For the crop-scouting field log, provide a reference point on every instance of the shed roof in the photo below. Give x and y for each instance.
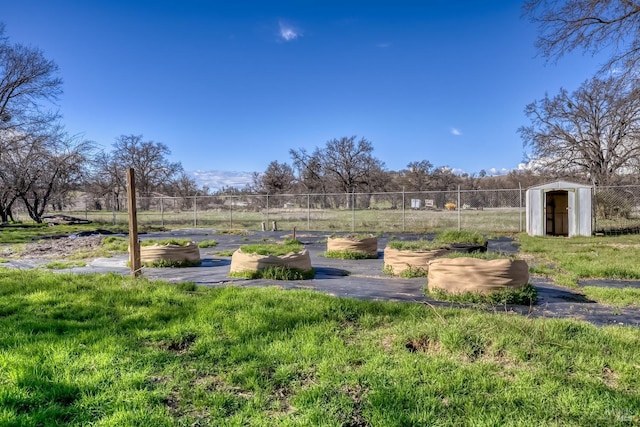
(558, 185)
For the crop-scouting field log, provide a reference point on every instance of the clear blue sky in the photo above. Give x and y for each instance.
(233, 85)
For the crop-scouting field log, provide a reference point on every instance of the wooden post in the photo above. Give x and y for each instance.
(134, 245)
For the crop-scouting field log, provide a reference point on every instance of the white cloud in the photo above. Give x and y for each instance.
(456, 132)
(383, 45)
(216, 179)
(288, 32)
(497, 171)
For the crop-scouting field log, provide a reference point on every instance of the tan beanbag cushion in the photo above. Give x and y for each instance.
(460, 275)
(401, 260)
(368, 245)
(241, 262)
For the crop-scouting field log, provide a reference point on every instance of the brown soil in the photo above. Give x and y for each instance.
(58, 248)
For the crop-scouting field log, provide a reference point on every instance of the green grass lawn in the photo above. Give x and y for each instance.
(29, 232)
(105, 350)
(567, 260)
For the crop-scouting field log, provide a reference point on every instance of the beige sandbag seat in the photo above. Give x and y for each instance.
(241, 262)
(461, 275)
(368, 245)
(396, 261)
(176, 253)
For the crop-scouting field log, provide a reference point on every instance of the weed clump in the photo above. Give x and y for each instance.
(526, 295)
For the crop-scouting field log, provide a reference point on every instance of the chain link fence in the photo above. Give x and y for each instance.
(615, 210)
(425, 211)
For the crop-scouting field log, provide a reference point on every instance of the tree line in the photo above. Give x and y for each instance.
(590, 134)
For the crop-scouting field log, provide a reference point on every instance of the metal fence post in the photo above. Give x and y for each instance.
(113, 208)
(308, 212)
(403, 212)
(267, 208)
(231, 211)
(520, 201)
(195, 210)
(594, 209)
(459, 212)
(353, 212)
(162, 211)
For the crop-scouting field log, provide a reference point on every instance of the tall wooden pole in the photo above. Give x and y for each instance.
(134, 246)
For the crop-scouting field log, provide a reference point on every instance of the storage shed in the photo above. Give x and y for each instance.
(559, 208)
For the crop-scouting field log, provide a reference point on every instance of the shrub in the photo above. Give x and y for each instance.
(277, 272)
(207, 244)
(349, 254)
(276, 249)
(479, 255)
(415, 245)
(525, 295)
(460, 236)
(407, 273)
(162, 242)
(165, 263)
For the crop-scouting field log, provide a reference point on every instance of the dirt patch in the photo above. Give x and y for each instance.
(58, 248)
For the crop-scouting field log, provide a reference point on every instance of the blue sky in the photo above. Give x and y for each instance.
(233, 85)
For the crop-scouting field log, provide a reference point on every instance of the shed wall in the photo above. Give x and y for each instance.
(580, 210)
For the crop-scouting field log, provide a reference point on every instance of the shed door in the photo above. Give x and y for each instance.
(557, 212)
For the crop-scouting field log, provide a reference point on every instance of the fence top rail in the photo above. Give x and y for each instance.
(372, 193)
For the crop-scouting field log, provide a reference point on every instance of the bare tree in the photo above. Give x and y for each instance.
(417, 175)
(349, 163)
(28, 84)
(28, 81)
(277, 179)
(443, 178)
(590, 25)
(42, 168)
(309, 169)
(594, 130)
(106, 180)
(150, 161)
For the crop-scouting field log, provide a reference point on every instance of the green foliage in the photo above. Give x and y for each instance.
(60, 265)
(226, 253)
(527, 295)
(276, 249)
(349, 254)
(407, 273)
(415, 245)
(276, 272)
(207, 244)
(163, 242)
(356, 237)
(568, 260)
(115, 244)
(187, 287)
(460, 236)
(480, 255)
(293, 242)
(83, 350)
(234, 231)
(25, 233)
(166, 263)
(619, 297)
